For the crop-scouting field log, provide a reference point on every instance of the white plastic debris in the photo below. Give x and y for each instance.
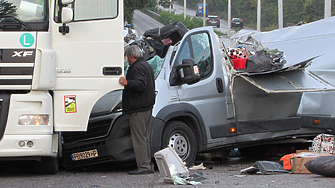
(199, 167)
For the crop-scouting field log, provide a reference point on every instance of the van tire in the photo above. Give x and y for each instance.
(180, 137)
(47, 165)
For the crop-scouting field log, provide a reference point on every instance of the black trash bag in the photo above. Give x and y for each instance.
(174, 31)
(323, 165)
(262, 61)
(157, 46)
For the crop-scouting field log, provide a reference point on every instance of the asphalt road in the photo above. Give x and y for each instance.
(143, 22)
(191, 12)
(223, 173)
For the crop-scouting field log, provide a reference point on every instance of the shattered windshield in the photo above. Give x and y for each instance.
(22, 11)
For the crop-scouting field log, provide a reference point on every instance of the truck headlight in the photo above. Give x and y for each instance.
(34, 119)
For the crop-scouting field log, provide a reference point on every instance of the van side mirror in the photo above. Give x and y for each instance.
(188, 71)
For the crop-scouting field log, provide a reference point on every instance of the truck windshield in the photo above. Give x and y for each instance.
(25, 14)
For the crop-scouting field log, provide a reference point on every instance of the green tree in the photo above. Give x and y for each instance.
(7, 8)
(313, 10)
(292, 12)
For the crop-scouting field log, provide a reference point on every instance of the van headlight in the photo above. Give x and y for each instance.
(34, 119)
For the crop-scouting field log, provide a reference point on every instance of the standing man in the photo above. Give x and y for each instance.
(138, 99)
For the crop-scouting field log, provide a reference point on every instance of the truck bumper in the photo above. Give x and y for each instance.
(42, 146)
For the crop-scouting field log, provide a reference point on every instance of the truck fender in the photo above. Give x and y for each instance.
(183, 112)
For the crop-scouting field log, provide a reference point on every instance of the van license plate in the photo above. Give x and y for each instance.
(84, 155)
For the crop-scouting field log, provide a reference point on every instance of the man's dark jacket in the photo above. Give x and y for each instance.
(139, 93)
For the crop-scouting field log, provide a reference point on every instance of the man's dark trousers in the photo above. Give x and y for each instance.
(139, 123)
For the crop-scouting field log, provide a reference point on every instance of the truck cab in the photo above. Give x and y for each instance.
(55, 66)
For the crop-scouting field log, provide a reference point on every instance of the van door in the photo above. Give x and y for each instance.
(208, 95)
(89, 59)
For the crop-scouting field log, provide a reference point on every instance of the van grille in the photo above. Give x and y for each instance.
(94, 130)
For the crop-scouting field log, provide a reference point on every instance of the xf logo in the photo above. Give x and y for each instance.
(22, 53)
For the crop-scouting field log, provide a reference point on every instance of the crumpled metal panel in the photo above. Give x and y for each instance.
(289, 82)
(253, 103)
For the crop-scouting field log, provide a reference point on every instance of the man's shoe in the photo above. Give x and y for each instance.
(140, 171)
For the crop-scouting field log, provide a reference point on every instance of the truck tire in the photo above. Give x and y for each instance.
(47, 165)
(181, 139)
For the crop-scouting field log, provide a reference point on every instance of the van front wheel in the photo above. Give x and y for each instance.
(180, 137)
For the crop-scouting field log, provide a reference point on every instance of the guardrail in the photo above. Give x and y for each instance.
(153, 13)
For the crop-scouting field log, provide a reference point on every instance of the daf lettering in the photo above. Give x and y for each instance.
(22, 53)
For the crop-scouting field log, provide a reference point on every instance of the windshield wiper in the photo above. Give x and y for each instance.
(9, 25)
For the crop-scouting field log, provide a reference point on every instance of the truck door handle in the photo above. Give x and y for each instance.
(219, 85)
(112, 71)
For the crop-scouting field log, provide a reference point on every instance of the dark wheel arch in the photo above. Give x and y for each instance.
(180, 137)
(179, 112)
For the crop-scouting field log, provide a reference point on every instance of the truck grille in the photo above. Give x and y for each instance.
(16, 69)
(0, 55)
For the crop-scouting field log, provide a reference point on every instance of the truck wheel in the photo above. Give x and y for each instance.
(181, 138)
(47, 165)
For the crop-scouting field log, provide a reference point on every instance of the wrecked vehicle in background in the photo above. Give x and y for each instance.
(203, 103)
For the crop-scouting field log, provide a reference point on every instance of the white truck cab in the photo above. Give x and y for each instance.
(57, 58)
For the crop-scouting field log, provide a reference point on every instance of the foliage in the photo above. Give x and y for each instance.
(162, 2)
(7, 8)
(190, 22)
(295, 11)
(166, 18)
(219, 33)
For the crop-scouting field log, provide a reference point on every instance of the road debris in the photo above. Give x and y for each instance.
(264, 167)
(198, 167)
(173, 170)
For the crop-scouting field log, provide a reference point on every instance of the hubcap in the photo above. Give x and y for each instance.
(179, 144)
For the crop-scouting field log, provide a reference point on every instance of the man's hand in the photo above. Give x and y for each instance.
(123, 80)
